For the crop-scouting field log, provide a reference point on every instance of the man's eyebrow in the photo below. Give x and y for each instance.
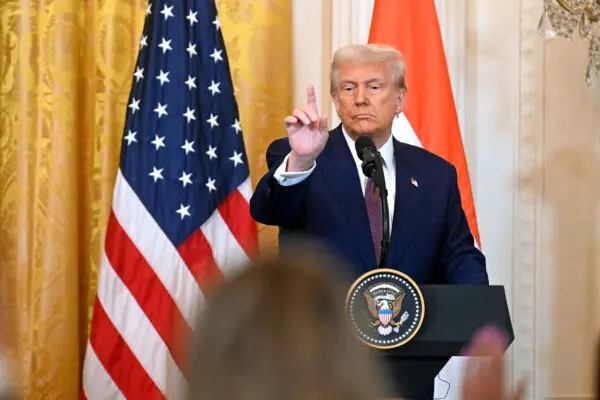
(372, 80)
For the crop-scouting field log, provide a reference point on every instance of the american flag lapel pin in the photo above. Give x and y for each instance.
(414, 182)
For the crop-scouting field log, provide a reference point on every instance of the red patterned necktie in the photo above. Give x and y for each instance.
(373, 200)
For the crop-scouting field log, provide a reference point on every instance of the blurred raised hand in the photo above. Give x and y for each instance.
(484, 373)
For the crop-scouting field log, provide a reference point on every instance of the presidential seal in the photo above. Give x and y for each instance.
(385, 308)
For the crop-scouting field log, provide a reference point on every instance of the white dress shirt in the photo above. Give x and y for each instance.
(287, 178)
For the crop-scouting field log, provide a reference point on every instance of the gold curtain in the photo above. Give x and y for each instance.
(65, 74)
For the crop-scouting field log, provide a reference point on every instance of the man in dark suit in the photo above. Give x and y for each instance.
(315, 185)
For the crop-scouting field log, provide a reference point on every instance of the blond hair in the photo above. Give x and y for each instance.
(362, 54)
(278, 330)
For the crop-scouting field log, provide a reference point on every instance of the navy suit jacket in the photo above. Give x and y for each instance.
(430, 239)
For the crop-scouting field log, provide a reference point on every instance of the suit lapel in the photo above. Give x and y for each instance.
(342, 178)
(406, 207)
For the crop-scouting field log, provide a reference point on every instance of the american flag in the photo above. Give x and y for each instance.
(180, 218)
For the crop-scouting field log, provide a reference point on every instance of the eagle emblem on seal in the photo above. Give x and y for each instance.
(384, 302)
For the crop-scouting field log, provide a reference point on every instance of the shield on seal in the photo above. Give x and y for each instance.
(385, 315)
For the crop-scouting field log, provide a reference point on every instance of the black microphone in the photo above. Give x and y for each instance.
(367, 152)
(372, 167)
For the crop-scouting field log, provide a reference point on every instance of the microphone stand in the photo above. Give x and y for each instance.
(379, 180)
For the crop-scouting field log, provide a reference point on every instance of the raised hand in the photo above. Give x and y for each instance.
(484, 373)
(307, 132)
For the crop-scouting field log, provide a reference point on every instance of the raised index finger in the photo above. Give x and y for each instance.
(312, 99)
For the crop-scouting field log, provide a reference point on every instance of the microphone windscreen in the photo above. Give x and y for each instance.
(363, 143)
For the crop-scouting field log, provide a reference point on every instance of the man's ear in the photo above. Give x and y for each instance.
(336, 103)
(400, 101)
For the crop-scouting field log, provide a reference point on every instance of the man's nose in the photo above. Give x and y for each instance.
(361, 98)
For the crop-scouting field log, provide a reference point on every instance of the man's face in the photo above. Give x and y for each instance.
(367, 100)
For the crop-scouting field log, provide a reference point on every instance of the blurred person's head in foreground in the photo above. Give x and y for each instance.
(277, 330)
(598, 369)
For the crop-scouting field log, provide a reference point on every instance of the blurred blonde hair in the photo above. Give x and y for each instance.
(278, 331)
(598, 369)
(363, 54)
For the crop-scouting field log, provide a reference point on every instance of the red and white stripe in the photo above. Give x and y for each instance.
(385, 318)
(149, 293)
